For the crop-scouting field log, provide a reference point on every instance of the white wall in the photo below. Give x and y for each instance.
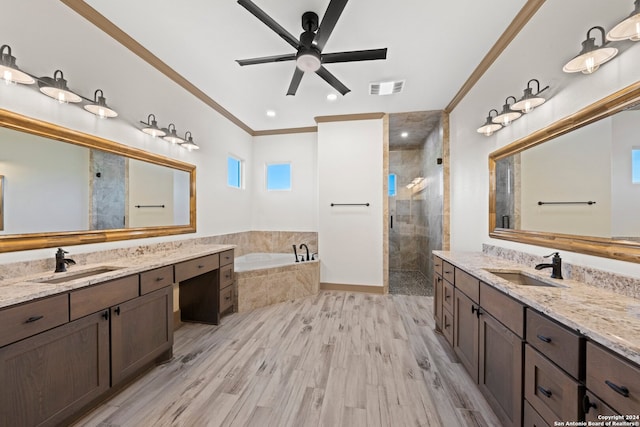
(350, 165)
(46, 184)
(90, 59)
(295, 210)
(573, 167)
(550, 39)
(625, 197)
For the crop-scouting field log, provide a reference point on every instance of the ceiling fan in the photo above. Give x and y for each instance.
(309, 56)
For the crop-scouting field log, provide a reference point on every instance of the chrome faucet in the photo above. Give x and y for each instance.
(61, 261)
(556, 265)
(307, 248)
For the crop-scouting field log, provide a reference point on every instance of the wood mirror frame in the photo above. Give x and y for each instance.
(616, 249)
(18, 242)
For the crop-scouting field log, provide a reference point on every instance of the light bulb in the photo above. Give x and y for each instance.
(528, 107)
(591, 65)
(506, 121)
(101, 113)
(488, 132)
(636, 36)
(61, 98)
(7, 76)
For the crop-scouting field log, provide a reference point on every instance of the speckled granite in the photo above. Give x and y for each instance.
(624, 285)
(26, 288)
(605, 317)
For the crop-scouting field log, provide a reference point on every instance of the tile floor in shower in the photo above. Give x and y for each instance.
(407, 282)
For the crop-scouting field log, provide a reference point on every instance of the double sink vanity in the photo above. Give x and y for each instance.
(68, 340)
(542, 351)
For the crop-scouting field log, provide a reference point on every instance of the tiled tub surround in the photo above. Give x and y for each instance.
(245, 242)
(260, 286)
(623, 285)
(19, 289)
(605, 317)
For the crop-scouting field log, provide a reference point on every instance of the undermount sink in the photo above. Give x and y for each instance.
(521, 279)
(79, 275)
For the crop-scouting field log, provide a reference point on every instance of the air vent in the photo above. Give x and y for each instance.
(386, 88)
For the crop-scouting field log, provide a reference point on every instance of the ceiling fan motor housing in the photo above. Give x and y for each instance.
(310, 21)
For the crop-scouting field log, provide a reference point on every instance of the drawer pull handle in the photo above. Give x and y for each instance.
(446, 296)
(587, 404)
(620, 389)
(105, 315)
(447, 272)
(117, 311)
(33, 319)
(477, 311)
(159, 279)
(543, 338)
(439, 279)
(544, 391)
(446, 325)
(200, 266)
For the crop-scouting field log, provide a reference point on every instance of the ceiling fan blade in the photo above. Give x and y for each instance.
(295, 81)
(333, 81)
(266, 59)
(329, 20)
(270, 22)
(356, 55)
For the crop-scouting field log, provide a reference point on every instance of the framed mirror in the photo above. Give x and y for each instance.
(63, 187)
(574, 185)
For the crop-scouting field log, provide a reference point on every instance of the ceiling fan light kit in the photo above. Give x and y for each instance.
(309, 56)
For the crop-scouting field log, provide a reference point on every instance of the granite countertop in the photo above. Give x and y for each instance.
(610, 319)
(22, 289)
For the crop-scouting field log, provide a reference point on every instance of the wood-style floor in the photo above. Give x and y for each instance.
(335, 359)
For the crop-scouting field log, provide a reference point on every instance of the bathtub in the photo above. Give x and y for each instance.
(269, 278)
(258, 261)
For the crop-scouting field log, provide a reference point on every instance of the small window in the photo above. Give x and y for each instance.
(279, 176)
(234, 172)
(635, 165)
(392, 184)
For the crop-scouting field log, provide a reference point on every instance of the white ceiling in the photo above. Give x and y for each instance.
(432, 44)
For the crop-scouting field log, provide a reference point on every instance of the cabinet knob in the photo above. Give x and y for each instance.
(159, 279)
(200, 266)
(543, 338)
(439, 279)
(587, 404)
(620, 389)
(544, 391)
(33, 319)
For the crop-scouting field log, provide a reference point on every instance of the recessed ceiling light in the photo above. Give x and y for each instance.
(404, 134)
(271, 113)
(332, 97)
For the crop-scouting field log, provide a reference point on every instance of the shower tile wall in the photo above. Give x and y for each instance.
(407, 210)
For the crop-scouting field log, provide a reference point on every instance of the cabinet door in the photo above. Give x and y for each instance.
(437, 301)
(48, 377)
(500, 370)
(141, 330)
(465, 333)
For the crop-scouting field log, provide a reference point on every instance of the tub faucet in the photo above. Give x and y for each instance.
(307, 248)
(556, 265)
(295, 253)
(61, 261)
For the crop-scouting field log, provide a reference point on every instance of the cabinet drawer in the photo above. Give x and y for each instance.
(447, 325)
(468, 284)
(447, 296)
(532, 418)
(611, 378)
(503, 308)
(226, 298)
(226, 276)
(437, 265)
(551, 392)
(156, 279)
(195, 267)
(226, 257)
(448, 272)
(556, 342)
(593, 407)
(31, 318)
(95, 298)
(437, 301)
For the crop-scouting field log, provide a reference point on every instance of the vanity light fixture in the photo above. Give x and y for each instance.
(508, 115)
(171, 135)
(9, 71)
(57, 88)
(629, 29)
(189, 144)
(591, 57)
(99, 106)
(489, 127)
(151, 127)
(529, 100)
